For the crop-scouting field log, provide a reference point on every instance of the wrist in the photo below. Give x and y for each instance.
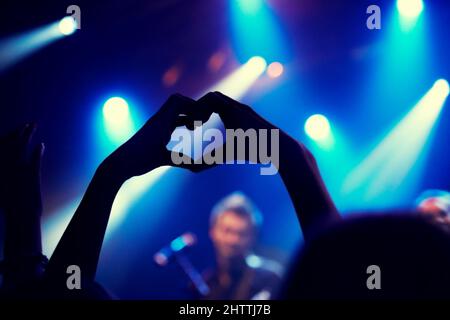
(292, 152)
(118, 168)
(22, 235)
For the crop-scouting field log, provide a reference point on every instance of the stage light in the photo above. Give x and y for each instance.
(317, 127)
(67, 26)
(275, 70)
(117, 120)
(256, 65)
(18, 47)
(410, 9)
(239, 82)
(442, 88)
(250, 6)
(390, 172)
(116, 109)
(255, 30)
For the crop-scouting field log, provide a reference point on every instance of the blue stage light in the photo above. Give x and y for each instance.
(317, 127)
(410, 8)
(67, 26)
(117, 120)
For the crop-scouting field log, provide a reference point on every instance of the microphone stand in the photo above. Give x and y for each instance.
(192, 273)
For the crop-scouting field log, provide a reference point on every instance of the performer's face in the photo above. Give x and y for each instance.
(232, 235)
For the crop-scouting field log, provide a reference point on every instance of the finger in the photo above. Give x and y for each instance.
(220, 104)
(232, 113)
(244, 109)
(236, 104)
(178, 104)
(176, 110)
(225, 98)
(188, 121)
(36, 158)
(208, 104)
(27, 135)
(184, 120)
(185, 109)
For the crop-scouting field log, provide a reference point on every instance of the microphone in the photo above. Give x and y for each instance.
(163, 256)
(175, 250)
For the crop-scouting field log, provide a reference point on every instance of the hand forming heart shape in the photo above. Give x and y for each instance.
(147, 150)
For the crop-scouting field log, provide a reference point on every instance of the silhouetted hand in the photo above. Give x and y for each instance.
(20, 172)
(235, 116)
(146, 150)
(20, 198)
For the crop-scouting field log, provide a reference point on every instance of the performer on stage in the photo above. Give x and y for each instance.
(239, 274)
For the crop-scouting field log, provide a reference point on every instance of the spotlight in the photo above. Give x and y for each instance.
(256, 65)
(67, 26)
(275, 70)
(317, 127)
(116, 109)
(241, 80)
(117, 120)
(250, 6)
(18, 47)
(442, 88)
(410, 8)
(392, 169)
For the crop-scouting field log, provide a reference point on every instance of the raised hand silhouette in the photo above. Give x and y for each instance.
(20, 199)
(146, 150)
(297, 165)
(82, 240)
(20, 171)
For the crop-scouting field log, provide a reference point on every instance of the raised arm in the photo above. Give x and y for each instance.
(20, 199)
(297, 166)
(82, 240)
(301, 176)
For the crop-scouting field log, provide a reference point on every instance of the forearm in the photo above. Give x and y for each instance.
(301, 176)
(22, 235)
(82, 240)
(22, 249)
